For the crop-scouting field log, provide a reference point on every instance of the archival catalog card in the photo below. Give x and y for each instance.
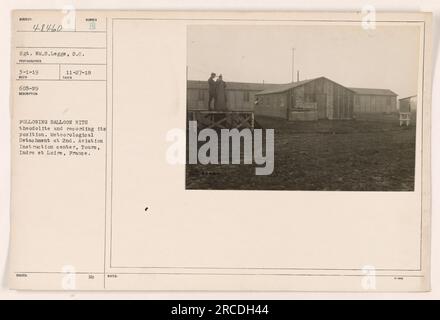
(220, 151)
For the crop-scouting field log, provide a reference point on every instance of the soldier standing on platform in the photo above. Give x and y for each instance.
(220, 94)
(211, 90)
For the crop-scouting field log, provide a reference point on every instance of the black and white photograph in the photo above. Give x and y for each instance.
(340, 100)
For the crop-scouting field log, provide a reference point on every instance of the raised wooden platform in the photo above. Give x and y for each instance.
(222, 119)
(405, 118)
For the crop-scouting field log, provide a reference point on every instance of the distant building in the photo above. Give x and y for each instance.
(374, 100)
(407, 107)
(313, 99)
(240, 96)
(408, 104)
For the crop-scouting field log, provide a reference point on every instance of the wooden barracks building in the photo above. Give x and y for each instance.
(313, 99)
(408, 104)
(374, 100)
(240, 96)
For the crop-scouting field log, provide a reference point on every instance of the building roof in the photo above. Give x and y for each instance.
(197, 84)
(410, 97)
(374, 92)
(284, 87)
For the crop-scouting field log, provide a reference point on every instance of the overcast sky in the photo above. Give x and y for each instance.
(384, 58)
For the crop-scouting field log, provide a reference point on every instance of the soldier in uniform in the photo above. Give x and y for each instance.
(220, 95)
(211, 90)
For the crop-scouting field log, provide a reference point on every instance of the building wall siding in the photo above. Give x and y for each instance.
(375, 104)
(333, 100)
(273, 105)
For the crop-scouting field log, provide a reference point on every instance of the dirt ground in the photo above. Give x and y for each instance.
(350, 155)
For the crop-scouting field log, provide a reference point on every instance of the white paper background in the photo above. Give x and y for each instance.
(385, 5)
